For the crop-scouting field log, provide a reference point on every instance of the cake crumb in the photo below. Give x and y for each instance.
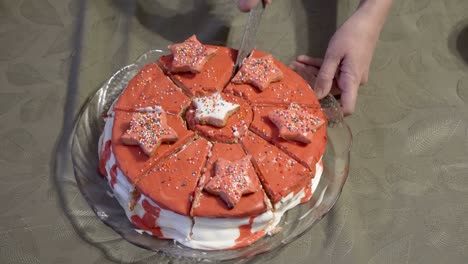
(275, 230)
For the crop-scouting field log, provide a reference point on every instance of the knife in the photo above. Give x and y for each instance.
(250, 33)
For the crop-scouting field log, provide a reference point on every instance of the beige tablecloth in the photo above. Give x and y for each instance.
(406, 197)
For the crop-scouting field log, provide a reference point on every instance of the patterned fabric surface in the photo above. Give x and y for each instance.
(406, 199)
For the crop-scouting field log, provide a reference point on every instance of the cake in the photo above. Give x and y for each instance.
(210, 157)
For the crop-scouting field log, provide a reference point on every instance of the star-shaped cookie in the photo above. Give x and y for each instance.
(232, 180)
(259, 72)
(148, 130)
(190, 55)
(295, 123)
(213, 110)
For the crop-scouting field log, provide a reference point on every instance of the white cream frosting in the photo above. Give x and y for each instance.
(213, 109)
(149, 109)
(291, 200)
(198, 232)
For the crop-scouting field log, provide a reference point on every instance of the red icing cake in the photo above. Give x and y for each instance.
(211, 158)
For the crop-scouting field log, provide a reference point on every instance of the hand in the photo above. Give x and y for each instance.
(347, 59)
(247, 5)
(308, 68)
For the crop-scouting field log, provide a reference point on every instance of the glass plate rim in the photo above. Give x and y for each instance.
(99, 90)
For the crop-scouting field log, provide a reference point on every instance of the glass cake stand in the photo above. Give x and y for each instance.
(76, 171)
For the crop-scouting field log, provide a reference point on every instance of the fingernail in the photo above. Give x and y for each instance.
(316, 91)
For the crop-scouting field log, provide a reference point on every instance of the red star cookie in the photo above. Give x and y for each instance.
(232, 180)
(190, 55)
(295, 123)
(259, 72)
(149, 130)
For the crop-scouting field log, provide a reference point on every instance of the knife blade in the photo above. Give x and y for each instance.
(250, 33)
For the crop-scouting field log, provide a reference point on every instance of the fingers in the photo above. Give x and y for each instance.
(247, 5)
(317, 62)
(326, 74)
(349, 86)
(302, 68)
(322, 74)
(365, 78)
(335, 90)
(308, 73)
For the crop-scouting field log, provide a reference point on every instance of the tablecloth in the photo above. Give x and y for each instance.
(405, 200)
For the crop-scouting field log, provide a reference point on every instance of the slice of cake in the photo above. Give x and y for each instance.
(131, 159)
(172, 182)
(279, 173)
(207, 204)
(282, 89)
(214, 67)
(151, 87)
(306, 154)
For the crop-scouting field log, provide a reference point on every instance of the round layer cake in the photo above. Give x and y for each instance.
(209, 159)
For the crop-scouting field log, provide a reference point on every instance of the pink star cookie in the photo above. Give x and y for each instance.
(232, 180)
(190, 55)
(259, 72)
(295, 123)
(148, 130)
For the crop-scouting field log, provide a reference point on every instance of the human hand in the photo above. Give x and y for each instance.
(308, 68)
(347, 60)
(247, 5)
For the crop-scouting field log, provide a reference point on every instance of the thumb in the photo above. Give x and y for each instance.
(349, 85)
(326, 74)
(246, 5)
